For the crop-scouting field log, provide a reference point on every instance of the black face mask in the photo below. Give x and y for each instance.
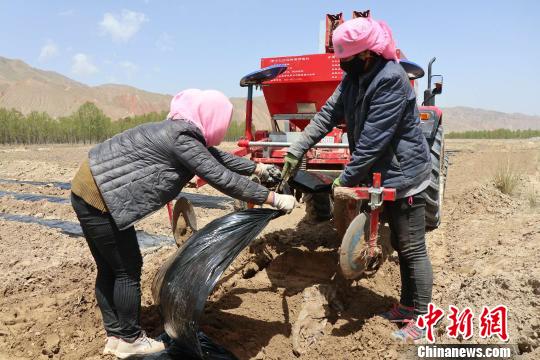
(353, 67)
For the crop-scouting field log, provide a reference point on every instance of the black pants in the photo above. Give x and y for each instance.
(119, 263)
(406, 218)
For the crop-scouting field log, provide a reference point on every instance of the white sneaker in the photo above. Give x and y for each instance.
(143, 345)
(110, 345)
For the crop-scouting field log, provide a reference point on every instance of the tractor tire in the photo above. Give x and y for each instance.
(435, 190)
(319, 206)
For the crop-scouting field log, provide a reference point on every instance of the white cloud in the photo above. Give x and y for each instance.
(48, 51)
(165, 42)
(83, 66)
(124, 26)
(129, 68)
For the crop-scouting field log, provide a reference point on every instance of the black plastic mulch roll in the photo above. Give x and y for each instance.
(194, 272)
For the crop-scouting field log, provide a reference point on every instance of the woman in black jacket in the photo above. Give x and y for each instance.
(134, 174)
(378, 105)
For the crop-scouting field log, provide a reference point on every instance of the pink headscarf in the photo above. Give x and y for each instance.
(360, 34)
(209, 110)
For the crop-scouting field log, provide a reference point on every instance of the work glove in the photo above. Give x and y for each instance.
(284, 202)
(266, 172)
(336, 183)
(289, 166)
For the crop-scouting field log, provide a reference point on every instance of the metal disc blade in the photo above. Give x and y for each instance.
(354, 241)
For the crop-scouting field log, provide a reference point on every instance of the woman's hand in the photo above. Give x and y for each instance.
(289, 166)
(336, 183)
(266, 172)
(281, 202)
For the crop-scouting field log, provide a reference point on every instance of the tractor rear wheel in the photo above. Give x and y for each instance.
(435, 190)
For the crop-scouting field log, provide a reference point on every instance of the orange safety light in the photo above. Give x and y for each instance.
(424, 116)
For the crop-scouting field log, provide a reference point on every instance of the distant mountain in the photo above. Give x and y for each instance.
(462, 118)
(26, 89)
(261, 116)
(455, 119)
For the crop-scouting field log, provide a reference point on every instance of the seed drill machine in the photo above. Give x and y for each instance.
(295, 88)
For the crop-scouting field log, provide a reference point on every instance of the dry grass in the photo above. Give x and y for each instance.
(532, 197)
(506, 179)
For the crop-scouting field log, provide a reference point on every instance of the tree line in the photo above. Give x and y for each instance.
(495, 134)
(88, 124)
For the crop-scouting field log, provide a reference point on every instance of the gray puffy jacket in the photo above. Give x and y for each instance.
(383, 128)
(141, 169)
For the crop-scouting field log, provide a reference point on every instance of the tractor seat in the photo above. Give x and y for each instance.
(262, 75)
(413, 70)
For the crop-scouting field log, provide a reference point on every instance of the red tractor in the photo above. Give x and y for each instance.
(295, 88)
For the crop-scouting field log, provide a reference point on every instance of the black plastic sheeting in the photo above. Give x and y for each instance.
(74, 229)
(310, 182)
(35, 197)
(198, 200)
(56, 184)
(192, 275)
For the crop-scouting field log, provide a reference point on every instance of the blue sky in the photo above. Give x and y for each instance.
(488, 51)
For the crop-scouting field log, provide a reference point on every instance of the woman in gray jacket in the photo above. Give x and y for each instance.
(134, 174)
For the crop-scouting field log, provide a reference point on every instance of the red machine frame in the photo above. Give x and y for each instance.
(296, 96)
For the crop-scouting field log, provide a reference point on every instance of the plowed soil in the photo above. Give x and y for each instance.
(484, 254)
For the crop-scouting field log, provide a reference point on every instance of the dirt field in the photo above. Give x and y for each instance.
(485, 253)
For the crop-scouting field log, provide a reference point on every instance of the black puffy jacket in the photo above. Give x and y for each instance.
(383, 128)
(141, 169)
